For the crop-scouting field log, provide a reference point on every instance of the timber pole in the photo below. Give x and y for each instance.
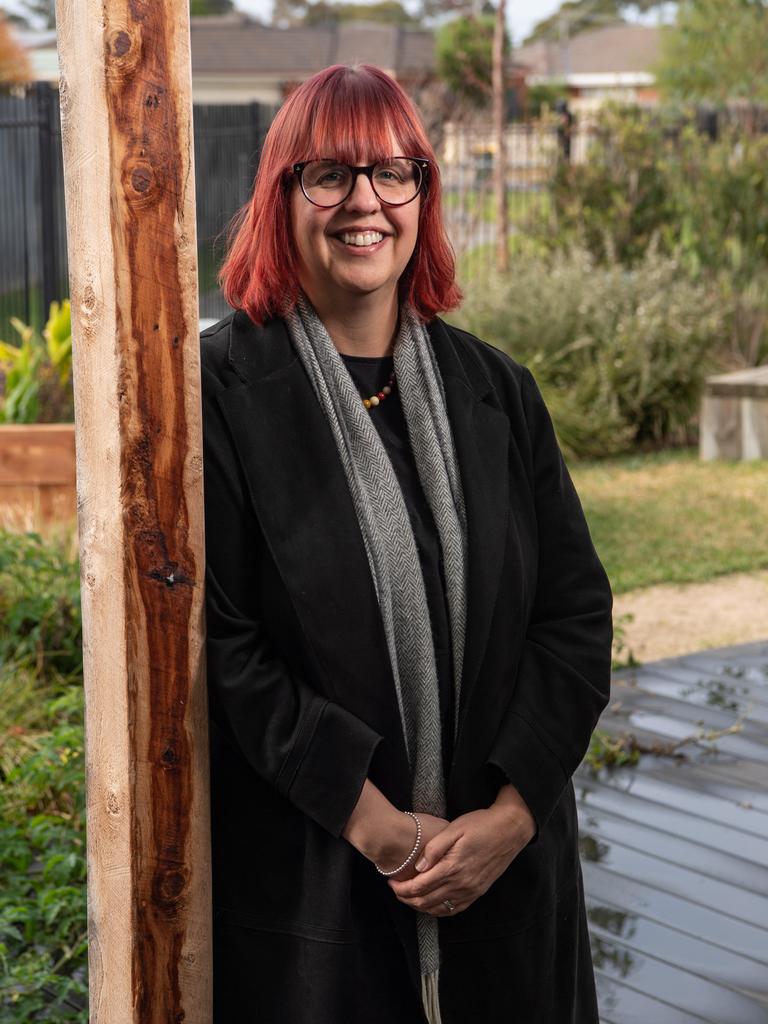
(498, 82)
(126, 111)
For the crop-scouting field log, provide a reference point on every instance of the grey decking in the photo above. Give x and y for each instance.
(675, 851)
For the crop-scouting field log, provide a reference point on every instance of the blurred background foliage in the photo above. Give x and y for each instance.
(645, 271)
(43, 939)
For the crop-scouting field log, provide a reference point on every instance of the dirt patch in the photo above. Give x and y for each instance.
(673, 619)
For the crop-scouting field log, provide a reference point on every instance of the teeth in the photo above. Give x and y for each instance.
(368, 238)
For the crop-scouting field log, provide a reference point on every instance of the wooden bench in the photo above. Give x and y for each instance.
(734, 415)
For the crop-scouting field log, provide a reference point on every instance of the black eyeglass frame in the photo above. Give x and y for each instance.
(367, 169)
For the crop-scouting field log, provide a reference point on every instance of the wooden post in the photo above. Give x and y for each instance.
(128, 159)
(499, 82)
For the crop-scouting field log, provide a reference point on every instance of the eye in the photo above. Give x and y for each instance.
(325, 174)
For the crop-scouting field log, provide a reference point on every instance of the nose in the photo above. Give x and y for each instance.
(362, 197)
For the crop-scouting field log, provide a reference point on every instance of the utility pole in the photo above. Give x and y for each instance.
(500, 141)
(126, 107)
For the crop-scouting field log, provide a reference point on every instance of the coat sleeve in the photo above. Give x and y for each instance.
(312, 750)
(563, 679)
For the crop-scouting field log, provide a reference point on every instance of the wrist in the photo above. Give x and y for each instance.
(394, 841)
(510, 808)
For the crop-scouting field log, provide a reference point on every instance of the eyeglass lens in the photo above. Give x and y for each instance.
(328, 183)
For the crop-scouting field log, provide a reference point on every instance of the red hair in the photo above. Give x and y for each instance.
(341, 111)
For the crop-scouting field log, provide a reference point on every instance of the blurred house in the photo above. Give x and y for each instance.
(612, 62)
(236, 59)
(40, 47)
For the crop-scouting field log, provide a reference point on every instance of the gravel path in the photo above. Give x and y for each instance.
(672, 619)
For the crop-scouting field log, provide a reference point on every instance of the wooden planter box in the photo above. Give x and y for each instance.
(37, 476)
(734, 415)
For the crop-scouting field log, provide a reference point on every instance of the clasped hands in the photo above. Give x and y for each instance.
(464, 857)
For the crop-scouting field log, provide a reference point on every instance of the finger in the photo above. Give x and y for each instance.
(453, 889)
(442, 911)
(437, 847)
(432, 876)
(422, 884)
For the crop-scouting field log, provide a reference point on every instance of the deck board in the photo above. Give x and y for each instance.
(674, 850)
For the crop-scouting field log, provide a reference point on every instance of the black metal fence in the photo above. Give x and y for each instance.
(33, 250)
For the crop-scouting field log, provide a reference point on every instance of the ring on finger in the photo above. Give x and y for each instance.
(449, 905)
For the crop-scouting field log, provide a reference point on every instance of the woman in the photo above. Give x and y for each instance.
(409, 630)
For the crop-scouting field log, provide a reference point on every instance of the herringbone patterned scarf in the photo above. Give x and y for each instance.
(392, 552)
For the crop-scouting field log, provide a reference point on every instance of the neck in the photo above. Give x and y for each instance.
(367, 327)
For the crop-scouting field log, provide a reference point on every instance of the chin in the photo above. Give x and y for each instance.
(363, 287)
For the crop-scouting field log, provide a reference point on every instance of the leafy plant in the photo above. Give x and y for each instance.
(37, 371)
(43, 919)
(606, 750)
(39, 604)
(655, 181)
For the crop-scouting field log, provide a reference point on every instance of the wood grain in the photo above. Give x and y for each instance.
(129, 180)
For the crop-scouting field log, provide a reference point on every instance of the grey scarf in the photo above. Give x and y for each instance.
(392, 552)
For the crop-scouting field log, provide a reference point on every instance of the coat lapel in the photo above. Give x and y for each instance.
(299, 491)
(481, 436)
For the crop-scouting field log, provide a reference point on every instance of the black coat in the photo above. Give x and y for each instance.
(303, 705)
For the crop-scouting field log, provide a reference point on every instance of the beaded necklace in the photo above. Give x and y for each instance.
(379, 396)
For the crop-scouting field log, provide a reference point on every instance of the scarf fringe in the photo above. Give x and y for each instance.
(429, 997)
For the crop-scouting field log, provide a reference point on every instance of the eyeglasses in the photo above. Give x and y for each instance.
(396, 181)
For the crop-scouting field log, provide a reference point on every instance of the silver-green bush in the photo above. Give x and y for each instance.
(620, 353)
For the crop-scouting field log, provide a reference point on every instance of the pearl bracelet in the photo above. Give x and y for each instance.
(413, 852)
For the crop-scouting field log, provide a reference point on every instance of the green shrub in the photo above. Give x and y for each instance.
(617, 201)
(36, 373)
(39, 603)
(620, 354)
(43, 920)
(650, 179)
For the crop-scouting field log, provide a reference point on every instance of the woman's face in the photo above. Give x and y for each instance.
(335, 270)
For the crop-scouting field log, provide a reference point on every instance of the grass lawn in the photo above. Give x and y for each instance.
(668, 518)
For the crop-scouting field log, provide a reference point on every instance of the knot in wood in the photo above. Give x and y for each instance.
(121, 44)
(141, 178)
(171, 885)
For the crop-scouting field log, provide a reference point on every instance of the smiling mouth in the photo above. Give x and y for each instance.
(360, 240)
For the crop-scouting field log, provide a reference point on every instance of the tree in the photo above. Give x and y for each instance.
(716, 51)
(464, 49)
(499, 132)
(575, 16)
(14, 63)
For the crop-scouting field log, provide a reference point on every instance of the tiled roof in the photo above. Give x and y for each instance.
(242, 46)
(613, 49)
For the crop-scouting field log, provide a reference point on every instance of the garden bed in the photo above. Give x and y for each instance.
(37, 475)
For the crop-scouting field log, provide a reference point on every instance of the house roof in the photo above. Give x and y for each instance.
(613, 49)
(241, 45)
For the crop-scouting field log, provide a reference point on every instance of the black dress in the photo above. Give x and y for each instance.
(370, 373)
